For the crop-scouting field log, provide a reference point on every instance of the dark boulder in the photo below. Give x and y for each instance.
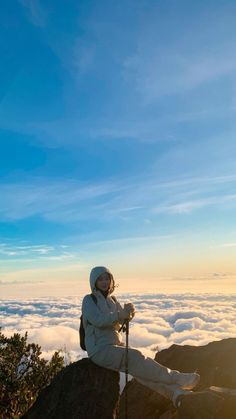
(216, 364)
(82, 390)
(142, 402)
(85, 391)
(207, 405)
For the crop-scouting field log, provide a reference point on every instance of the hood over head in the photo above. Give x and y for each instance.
(95, 273)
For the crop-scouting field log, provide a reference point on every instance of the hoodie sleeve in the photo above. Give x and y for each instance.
(95, 316)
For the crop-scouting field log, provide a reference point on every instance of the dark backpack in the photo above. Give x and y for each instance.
(81, 326)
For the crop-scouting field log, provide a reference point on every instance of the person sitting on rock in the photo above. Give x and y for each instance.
(102, 322)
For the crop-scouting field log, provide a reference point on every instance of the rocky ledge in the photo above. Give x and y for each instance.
(84, 391)
(215, 397)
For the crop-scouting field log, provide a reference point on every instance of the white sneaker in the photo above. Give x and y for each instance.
(177, 393)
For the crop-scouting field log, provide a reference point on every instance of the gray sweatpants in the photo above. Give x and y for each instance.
(145, 370)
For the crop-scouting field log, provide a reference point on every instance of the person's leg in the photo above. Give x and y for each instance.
(110, 357)
(113, 357)
(150, 370)
(145, 370)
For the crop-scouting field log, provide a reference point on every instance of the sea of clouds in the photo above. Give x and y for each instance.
(160, 321)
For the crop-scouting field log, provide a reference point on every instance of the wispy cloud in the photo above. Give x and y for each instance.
(58, 200)
(194, 54)
(22, 258)
(36, 13)
(25, 250)
(189, 206)
(131, 240)
(158, 72)
(68, 201)
(82, 57)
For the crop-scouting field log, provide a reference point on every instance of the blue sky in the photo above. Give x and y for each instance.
(117, 147)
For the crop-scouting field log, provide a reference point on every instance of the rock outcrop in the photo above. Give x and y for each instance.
(85, 391)
(216, 364)
(208, 405)
(82, 390)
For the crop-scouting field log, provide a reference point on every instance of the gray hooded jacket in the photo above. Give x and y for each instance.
(101, 321)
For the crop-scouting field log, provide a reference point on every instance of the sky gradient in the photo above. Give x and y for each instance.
(117, 145)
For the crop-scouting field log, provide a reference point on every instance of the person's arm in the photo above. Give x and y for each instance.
(95, 316)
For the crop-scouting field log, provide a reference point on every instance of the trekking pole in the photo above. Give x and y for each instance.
(126, 365)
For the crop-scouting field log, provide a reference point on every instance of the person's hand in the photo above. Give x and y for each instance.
(129, 307)
(128, 311)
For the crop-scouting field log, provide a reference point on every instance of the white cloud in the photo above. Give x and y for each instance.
(161, 320)
(50, 337)
(19, 255)
(142, 336)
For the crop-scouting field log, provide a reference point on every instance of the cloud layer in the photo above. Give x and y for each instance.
(161, 320)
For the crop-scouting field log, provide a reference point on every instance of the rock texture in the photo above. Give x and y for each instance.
(80, 391)
(84, 391)
(207, 405)
(216, 364)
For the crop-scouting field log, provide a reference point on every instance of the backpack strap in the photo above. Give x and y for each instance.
(94, 298)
